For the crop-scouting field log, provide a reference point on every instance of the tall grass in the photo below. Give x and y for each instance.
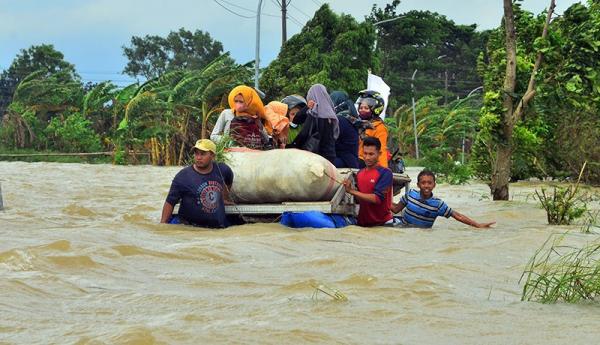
(558, 272)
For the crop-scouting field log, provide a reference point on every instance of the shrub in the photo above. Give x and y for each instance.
(73, 134)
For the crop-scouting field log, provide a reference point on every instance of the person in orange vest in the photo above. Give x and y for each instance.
(370, 106)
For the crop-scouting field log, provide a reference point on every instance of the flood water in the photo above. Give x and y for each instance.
(83, 260)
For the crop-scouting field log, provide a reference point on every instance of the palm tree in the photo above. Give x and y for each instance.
(162, 110)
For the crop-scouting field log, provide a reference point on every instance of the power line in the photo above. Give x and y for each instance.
(243, 8)
(233, 12)
(249, 10)
(238, 6)
(296, 21)
(299, 10)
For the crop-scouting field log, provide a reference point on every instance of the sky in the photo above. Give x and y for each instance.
(91, 33)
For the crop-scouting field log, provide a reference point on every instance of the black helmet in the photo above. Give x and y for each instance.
(373, 99)
(294, 101)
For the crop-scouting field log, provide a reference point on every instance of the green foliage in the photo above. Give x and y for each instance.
(433, 45)
(446, 167)
(561, 128)
(36, 58)
(164, 114)
(565, 204)
(73, 134)
(153, 56)
(562, 205)
(331, 49)
(442, 130)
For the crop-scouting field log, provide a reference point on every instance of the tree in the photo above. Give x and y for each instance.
(504, 128)
(36, 58)
(331, 49)
(38, 99)
(444, 53)
(569, 98)
(164, 112)
(152, 56)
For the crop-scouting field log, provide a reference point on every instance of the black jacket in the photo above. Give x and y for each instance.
(323, 129)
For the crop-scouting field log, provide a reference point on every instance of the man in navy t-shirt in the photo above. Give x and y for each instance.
(202, 188)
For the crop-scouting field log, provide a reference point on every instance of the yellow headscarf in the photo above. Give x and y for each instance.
(253, 103)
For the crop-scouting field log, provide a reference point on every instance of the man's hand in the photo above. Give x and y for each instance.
(397, 207)
(466, 220)
(348, 185)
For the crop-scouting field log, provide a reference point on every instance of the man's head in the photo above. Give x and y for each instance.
(426, 183)
(204, 153)
(371, 151)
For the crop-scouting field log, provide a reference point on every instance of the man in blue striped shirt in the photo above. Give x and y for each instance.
(421, 208)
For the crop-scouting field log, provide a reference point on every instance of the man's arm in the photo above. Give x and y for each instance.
(217, 132)
(466, 220)
(226, 198)
(167, 212)
(396, 208)
(370, 198)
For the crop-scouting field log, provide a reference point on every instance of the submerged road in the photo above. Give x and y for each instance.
(83, 260)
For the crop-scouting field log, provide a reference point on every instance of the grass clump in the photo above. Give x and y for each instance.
(558, 272)
(564, 204)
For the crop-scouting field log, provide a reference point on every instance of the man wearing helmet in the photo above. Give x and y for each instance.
(370, 106)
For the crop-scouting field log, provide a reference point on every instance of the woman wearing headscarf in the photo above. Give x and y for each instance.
(277, 124)
(321, 128)
(246, 128)
(346, 145)
(296, 113)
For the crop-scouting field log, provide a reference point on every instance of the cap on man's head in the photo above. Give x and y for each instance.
(205, 145)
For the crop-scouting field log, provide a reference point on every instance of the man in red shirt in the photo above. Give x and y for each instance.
(374, 184)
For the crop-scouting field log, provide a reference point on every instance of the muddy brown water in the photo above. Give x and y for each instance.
(83, 261)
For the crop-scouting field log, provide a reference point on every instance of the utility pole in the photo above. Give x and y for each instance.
(284, 4)
(412, 87)
(446, 86)
(257, 57)
(1, 203)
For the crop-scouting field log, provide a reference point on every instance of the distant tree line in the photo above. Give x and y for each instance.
(186, 77)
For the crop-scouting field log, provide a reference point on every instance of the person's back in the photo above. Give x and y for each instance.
(346, 145)
(321, 128)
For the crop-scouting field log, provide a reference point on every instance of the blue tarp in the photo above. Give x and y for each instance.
(315, 219)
